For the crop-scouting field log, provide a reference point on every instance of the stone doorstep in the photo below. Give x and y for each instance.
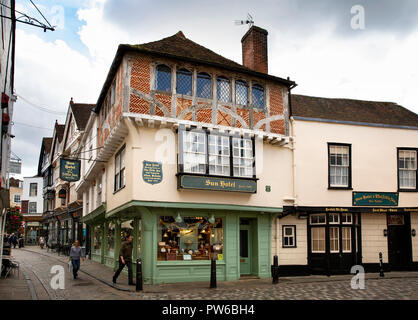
(104, 274)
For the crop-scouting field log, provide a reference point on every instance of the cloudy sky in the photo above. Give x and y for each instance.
(310, 41)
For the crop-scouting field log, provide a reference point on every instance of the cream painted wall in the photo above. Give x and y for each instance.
(290, 256)
(372, 238)
(414, 225)
(142, 144)
(374, 161)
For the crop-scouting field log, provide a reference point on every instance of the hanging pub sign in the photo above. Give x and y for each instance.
(62, 194)
(375, 199)
(152, 172)
(70, 170)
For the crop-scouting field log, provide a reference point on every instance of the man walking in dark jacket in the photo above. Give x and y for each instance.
(125, 259)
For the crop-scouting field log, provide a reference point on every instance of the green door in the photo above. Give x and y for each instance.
(245, 249)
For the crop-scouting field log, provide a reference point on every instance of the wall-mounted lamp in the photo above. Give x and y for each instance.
(212, 219)
(385, 232)
(414, 232)
(178, 218)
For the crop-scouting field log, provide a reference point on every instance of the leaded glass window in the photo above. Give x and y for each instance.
(223, 89)
(204, 86)
(163, 79)
(241, 92)
(242, 157)
(258, 96)
(219, 155)
(184, 82)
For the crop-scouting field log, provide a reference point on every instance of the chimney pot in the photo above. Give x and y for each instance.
(254, 49)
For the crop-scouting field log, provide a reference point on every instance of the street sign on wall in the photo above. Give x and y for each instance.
(70, 170)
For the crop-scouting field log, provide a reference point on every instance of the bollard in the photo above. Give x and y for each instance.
(213, 273)
(275, 270)
(138, 275)
(381, 265)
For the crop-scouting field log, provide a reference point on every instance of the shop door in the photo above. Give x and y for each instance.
(245, 248)
(398, 242)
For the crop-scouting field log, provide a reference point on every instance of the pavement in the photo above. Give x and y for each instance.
(95, 282)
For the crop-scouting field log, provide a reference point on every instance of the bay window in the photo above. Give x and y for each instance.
(209, 153)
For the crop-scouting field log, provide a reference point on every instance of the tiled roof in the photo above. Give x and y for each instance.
(81, 112)
(179, 45)
(47, 142)
(387, 113)
(59, 129)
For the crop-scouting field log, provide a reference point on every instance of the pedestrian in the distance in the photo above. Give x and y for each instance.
(125, 259)
(75, 256)
(41, 242)
(13, 240)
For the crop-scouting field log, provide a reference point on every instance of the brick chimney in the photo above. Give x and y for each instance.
(254, 49)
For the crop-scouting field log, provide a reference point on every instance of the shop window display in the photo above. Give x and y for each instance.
(190, 238)
(111, 239)
(97, 239)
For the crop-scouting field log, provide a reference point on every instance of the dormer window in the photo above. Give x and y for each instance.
(258, 96)
(241, 92)
(184, 82)
(163, 78)
(224, 89)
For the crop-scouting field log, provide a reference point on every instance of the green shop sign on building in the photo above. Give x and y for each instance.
(152, 172)
(375, 198)
(217, 184)
(70, 170)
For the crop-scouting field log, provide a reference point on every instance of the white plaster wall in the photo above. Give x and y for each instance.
(292, 256)
(39, 195)
(274, 169)
(372, 238)
(374, 161)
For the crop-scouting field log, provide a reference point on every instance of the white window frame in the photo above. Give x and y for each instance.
(334, 238)
(344, 239)
(344, 216)
(336, 151)
(33, 203)
(30, 189)
(243, 157)
(332, 220)
(318, 215)
(194, 152)
(217, 160)
(291, 236)
(313, 231)
(15, 199)
(119, 180)
(411, 155)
